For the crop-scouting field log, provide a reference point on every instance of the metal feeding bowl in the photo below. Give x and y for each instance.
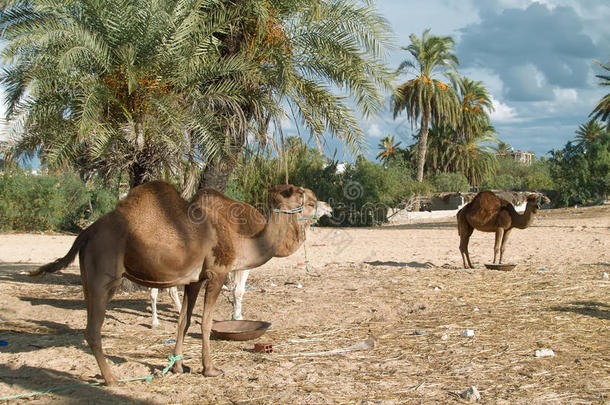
(239, 330)
(503, 267)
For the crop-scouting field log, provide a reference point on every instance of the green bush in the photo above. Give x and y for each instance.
(502, 182)
(57, 202)
(450, 182)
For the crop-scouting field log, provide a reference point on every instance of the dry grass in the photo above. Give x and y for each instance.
(565, 308)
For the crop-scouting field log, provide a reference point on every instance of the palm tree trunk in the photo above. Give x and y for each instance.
(216, 174)
(422, 146)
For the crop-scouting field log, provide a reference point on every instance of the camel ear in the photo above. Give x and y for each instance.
(287, 191)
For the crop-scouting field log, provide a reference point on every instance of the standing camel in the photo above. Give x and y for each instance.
(489, 213)
(157, 239)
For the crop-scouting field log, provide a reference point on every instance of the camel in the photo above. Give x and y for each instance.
(157, 239)
(489, 213)
(154, 294)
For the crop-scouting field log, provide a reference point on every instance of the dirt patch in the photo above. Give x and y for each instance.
(403, 285)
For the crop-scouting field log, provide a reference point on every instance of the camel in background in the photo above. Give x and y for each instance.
(489, 213)
(157, 239)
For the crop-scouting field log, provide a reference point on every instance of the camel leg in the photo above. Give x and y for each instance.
(239, 287)
(214, 284)
(465, 232)
(499, 235)
(101, 278)
(154, 293)
(191, 291)
(503, 247)
(173, 293)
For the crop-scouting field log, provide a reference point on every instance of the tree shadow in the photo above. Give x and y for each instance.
(416, 265)
(589, 308)
(39, 378)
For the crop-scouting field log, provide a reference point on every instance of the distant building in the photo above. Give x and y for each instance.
(526, 158)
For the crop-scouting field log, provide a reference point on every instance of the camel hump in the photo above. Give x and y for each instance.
(238, 216)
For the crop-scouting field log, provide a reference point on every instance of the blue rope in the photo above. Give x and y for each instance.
(172, 359)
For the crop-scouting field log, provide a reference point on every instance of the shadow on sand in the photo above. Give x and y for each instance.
(416, 265)
(32, 379)
(589, 308)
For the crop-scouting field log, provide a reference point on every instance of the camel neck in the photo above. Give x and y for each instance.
(280, 237)
(524, 220)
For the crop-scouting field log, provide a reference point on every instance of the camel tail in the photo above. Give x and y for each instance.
(63, 262)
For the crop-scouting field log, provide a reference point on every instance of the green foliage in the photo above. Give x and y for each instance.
(516, 176)
(360, 195)
(450, 182)
(59, 202)
(581, 172)
(154, 87)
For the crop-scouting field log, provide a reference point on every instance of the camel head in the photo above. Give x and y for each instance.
(536, 200)
(298, 200)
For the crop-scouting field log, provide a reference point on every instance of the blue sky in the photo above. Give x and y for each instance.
(535, 58)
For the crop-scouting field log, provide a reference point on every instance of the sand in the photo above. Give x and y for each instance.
(387, 282)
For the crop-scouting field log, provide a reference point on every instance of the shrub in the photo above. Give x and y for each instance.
(57, 202)
(450, 182)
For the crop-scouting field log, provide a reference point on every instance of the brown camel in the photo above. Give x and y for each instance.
(489, 213)
(157, 239)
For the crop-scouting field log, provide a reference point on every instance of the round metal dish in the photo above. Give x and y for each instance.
(503, 267)
(239, 330)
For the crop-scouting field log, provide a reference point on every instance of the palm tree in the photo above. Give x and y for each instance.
(502, 148)
(465, 147)
(163, 86)
(389, 150)
(313, 53)
(602, 109)
(424, 97)
(120, 85)
(476, 105)
(588, 133)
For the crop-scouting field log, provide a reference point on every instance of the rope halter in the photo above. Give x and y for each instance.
(299, 209)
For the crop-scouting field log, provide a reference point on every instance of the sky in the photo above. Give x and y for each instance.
(534, 56)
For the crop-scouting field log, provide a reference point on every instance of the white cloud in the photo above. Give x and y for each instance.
(565, 95)
(374, 131)
(503, 113)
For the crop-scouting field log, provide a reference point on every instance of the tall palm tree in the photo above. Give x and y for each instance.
(475, 106)
(602, 109)
(154, 86)
(425, 98)
(465, 147)
(121, 85)
(389, 149)
(588, 133)
(314, 53)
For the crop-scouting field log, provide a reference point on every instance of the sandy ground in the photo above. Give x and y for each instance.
(388, 282)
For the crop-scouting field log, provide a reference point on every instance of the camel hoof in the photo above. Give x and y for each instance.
(212, 372)
(112, 382)
(181, 369)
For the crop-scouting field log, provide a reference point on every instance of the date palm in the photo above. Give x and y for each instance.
(602, 109)
(389, 150)
(148, 87)
(588, 133)
(119, 85)
(426, 98)
(319, 58)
